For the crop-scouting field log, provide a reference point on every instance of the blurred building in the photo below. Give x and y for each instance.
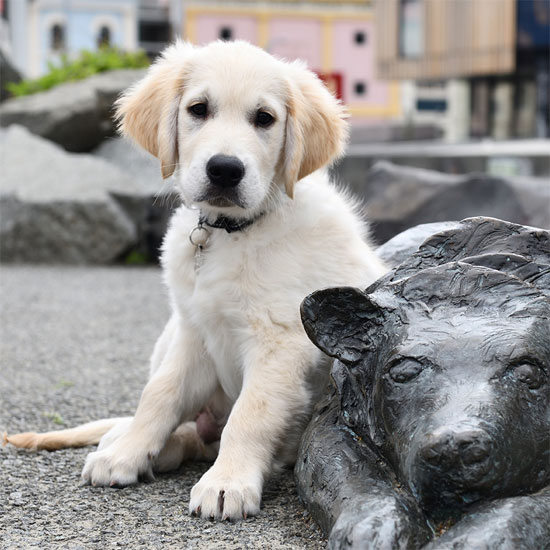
(476, 68)
(40, 31)
(154, 28)
(336, 39)
(43, 30)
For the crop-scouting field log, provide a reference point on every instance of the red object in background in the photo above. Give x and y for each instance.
(333, 81)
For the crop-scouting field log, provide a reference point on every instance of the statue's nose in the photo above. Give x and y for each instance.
(466, 447)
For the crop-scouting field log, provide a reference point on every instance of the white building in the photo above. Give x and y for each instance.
(444, 104)
(42, 30)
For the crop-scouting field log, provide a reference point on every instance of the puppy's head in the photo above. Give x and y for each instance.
(237, 124)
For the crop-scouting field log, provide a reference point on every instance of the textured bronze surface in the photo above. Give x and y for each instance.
(435, 431)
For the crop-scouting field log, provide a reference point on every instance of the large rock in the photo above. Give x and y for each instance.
(57, 207)
(154, 199)
(400, 197)
(142, 167)
(76, 115)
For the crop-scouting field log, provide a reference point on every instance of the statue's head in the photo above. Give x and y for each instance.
(448, 372)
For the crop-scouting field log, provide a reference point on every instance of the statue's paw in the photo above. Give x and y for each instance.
(379, 530)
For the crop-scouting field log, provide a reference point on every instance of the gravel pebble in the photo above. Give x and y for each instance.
(74, 347)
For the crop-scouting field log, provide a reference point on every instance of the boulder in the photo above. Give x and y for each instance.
(153, 199)
(76, 115)
(400, 197)
(139, 165)
(58, 207)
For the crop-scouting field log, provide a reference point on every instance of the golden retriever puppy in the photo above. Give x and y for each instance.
(248, 138)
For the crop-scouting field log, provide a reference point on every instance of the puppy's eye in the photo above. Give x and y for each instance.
(405, 370)
(529, 374)
(263, 119)
(199, 110)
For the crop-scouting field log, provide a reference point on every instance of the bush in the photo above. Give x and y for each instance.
(87, 64)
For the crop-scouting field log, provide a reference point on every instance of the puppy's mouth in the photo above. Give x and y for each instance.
(220, 202)
(225, 198)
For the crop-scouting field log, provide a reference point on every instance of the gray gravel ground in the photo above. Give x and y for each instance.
(75, 344)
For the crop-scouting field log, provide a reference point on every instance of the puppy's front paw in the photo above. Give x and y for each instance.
(222, 494)
(116, 466)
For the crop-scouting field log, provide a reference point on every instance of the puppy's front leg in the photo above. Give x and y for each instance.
(179, 387)
(273, 397)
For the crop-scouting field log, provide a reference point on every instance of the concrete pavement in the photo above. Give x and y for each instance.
(74, 347)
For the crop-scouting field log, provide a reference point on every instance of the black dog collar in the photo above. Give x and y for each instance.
(231, 226)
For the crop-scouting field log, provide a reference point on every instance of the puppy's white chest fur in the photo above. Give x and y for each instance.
(219, 309)
(246, 294)
(224, 298)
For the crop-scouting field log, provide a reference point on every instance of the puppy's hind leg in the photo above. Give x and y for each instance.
(198, 440)
(184, 444)
(118, 430)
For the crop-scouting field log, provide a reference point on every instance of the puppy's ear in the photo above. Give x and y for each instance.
(342, 322)
(316, 131)
(148, 111)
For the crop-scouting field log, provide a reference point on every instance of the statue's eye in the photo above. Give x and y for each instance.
(529, 373)
(263, 119)
(199, 110)
(405, 370)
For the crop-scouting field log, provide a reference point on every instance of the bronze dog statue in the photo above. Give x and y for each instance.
(435, 433)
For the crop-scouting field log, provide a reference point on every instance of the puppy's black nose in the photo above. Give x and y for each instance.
(225, 171)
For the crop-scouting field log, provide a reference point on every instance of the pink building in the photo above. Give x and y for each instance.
(336, 39)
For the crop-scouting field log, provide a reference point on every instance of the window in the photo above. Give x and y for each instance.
(226, 33)
(360, 38)
(153, 31)
(57, 37)
(104, 37)
(411, 28)
(360, 88)
(437, 105)
(153, 36)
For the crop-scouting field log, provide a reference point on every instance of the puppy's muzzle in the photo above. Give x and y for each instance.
(225, 171)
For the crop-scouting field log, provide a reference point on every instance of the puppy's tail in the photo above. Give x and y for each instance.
(85, 434)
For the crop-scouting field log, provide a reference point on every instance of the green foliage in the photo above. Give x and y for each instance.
(55, 417)
(64, 384)
(136, 257)
(87, 64)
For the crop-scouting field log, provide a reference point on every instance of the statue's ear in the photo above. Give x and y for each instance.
(341, 322)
